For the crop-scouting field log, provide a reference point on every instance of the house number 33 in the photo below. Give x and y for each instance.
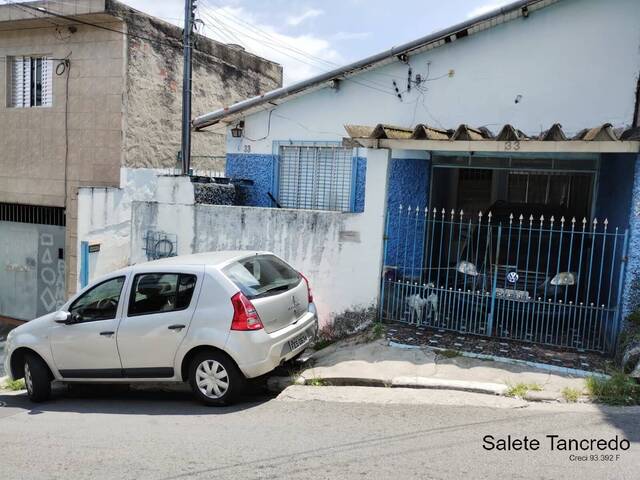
(515, 145)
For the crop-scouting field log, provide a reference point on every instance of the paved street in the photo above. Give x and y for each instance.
(166, 435)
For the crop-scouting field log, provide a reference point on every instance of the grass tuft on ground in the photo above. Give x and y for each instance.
(519, 390)
(15, 385)
(316, 382)
(571, 395)
(619, 389)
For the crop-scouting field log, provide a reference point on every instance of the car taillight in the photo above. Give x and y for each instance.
(308, 288)
(245, 316)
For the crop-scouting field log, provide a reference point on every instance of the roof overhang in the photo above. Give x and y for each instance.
(508, 147)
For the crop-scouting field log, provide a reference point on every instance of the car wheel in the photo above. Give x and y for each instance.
(37, 378)
(215, 379)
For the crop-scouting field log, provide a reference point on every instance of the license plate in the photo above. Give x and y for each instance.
(298, 341)
(519, 295)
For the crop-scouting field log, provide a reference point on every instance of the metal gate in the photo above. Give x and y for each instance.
(535, 277)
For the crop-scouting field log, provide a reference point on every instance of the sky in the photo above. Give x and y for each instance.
(308, 37)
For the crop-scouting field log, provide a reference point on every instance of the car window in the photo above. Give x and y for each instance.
(161, 292)
(262, 275)
(100, 302)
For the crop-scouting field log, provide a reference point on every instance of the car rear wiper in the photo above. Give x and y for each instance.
(279, 288)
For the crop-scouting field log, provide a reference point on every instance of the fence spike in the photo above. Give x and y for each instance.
(521, 218)
(409, 209)
(606, 222)
(541, 219)
(461, 213)
(530, 219)
(511, 216)
(552, 219)
(453, 212)
(584, 221)
(595, 221)
(573, 221)
(400, 207)
(480, 213)
(562, 220)
(443, 212)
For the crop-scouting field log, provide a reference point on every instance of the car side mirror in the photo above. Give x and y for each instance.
(63, 317)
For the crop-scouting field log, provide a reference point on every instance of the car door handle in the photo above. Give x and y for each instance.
(175, 327)
(107, 334)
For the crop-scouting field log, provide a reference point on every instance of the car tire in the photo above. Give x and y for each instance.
(215, 379)
(37, 378)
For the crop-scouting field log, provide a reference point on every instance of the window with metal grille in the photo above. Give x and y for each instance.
(29, 82)
(313, 177)
(39, 214)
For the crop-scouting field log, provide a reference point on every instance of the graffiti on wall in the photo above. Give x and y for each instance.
(51, 293)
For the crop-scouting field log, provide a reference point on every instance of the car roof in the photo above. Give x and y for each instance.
(218, 258)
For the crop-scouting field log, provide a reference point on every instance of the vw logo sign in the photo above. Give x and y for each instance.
(512, 277)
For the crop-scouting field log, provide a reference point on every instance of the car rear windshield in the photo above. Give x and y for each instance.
(262, 276)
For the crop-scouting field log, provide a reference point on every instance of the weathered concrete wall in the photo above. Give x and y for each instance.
(33, 156)
(153, 97)
(340, 253)
(104, 214)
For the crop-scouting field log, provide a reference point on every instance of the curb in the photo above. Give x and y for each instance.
(443, 384)
(413, 382)
(532, 396)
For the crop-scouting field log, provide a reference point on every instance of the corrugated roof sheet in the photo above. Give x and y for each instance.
(425, 132)
(602, 133)
(508, 132)
(391, 132)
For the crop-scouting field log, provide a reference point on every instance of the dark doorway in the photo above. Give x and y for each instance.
(476, 190)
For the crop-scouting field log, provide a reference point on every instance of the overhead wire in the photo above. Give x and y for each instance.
(277, 48)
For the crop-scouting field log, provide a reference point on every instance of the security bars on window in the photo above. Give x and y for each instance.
(317, 178)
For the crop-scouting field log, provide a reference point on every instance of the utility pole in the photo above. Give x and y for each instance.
(189, 17)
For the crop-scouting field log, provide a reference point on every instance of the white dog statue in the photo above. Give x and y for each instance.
(417, 305)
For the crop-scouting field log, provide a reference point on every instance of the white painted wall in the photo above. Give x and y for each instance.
(104, 214)
(341, 254)
(575, 62)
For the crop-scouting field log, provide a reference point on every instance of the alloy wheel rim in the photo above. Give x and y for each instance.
(27, 378)
(212, 379)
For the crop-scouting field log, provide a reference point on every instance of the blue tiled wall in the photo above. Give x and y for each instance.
(361, 175)
(260, 169)
(409, 187)
(631, 294)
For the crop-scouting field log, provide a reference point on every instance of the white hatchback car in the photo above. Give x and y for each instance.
(212, 319)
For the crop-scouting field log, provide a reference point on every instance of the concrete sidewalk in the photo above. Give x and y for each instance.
(376, 363)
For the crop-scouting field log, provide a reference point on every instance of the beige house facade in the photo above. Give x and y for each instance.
(87, 88)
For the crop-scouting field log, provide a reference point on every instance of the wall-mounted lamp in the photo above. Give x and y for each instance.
(236, 132)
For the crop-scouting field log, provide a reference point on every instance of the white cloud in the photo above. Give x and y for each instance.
(487, 7)
(295, 20)
(298, 54)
